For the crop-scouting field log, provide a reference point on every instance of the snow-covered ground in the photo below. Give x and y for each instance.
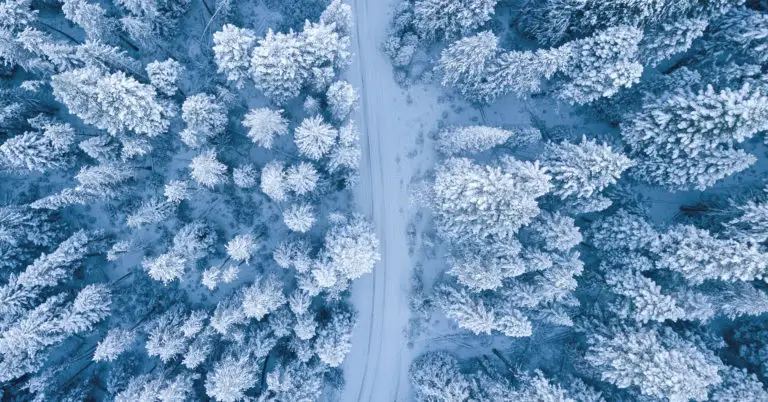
(391, 119)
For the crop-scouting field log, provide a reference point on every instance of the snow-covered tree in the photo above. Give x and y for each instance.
(91, 17)
(232, 51)
(339, 14)
(699, 256)
(115, 343)
(351, 248)
(670, 38)
(334, 339)
(242, 247)
(166, 267)
(660, 363)
(471, 139)
(155, 210)
(646, 301)
(685, 138)
(205, 118)
(39, 151)
(164, 336)
(114, 102)
(341, 98)
(601, 65)
(207, 170)
(467, 63)
(103, 148)
(273, 182)
(165, 75)
(438, 19)
(148, 21)
(739, 34)
(624, 231)
(264, 125)
(176, 191)
(314, 137)
(299, 217)
(301, 179)
(277, 67)
(264, 296)
(479, 315)
(45, 271)
(555, 232)
(435, 376)
(473, 201)
(245, 176)
(581, 170)
(158, 387)
(230, 378)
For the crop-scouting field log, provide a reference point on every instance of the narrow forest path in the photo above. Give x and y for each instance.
(377, 367)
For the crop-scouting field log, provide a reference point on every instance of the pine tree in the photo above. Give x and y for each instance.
(264, 296)
(114, 102)
(230, 378)
(438, 19)
(301, 179)
(295, 380)
(314, 137)
(166, 267)
(207, 170)
(334, 339)
(45, 271)
(115, 343)
(581, 170)
(740, 34)
(155, 210)
(471, 139)
(205, 118)
(264, 124)
(232, 51)
(299, 217)
(91, 305)
(351, 248)
(164, 337)
(341, 98)
(522, 72)
(646, 302)
(242, 247)
(660, 363)
(277, 67)
(245, 176)
(103, 148)
(39, 151)
(601, 65)
(147, 21)
(165, 76)
(339, 14)
(466, 65)
(273, 182)
(176, 191)
(684, 139)
(103, 180)
(624, 231)
(435, 376)
(670, 38)
(481, 202)
(555, 232)
(91, 17)
(698, 256)
(479, 315)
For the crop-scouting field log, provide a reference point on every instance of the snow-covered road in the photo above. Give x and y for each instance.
(377, 367)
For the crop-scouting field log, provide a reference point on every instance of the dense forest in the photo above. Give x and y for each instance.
(185, 185)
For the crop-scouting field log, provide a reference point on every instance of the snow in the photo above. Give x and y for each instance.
(377, 367)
